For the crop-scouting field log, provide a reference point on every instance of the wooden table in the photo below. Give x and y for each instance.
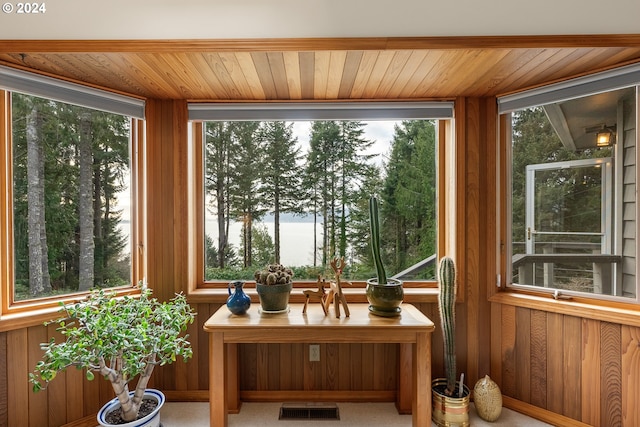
(411, 330)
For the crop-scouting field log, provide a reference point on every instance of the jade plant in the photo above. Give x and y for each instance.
(274, 274)
(374, 223)
(446, 306)
(119, 338)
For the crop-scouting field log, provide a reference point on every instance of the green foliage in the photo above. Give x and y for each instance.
(119, 338)
(409, 197)
(262, 247)
(536, 142)
(56, 126)
(244, 199)
(336, 171)
(212, 259)
(280, 191)
(301, 273)
(331, 183)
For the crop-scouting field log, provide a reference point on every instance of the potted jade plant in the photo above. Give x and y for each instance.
(384, 294)
(273, 285)
(450, 397)
(119, 338)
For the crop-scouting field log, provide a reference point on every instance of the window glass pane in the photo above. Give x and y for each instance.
(573, 200)
(71, 198)
(297, 193)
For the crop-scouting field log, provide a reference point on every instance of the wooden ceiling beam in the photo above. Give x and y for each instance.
(319, 44)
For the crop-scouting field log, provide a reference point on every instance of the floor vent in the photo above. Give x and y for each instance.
(309, 411)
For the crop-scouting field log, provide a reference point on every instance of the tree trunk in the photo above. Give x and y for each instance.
(315, 233)
(100, 217)
(222, 223)
(249, 244)
(85, 203)
(39, 281)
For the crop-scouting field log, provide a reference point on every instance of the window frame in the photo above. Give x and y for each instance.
(415, 291)
(17, 314)
(530, 295)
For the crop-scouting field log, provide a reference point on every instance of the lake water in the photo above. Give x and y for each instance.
(296, 239)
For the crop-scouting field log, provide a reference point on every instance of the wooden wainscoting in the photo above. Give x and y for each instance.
(269, 371)
(585, 369)
(68, 398)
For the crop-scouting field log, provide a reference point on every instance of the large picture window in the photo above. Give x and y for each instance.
(573, 209)
(70, 173)
(71, 198)
(296, 192)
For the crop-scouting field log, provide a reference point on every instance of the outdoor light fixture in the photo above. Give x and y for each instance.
(606, 137)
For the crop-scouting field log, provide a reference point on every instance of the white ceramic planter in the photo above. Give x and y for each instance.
(151, 420)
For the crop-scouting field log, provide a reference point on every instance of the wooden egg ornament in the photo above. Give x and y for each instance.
(487, 399)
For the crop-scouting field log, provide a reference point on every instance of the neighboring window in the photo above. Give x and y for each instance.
(573, 194)
(71, 197)
(297, 193)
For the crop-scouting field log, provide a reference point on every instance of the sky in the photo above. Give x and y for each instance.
(379, 131)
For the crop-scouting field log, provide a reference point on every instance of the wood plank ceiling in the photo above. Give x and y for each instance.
(323, 69)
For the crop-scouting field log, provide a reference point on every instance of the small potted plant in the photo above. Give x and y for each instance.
(119, 338)
(450, 397)
(273, 285)
(384, 294)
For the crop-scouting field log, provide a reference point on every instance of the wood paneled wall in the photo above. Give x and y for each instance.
(583, 368)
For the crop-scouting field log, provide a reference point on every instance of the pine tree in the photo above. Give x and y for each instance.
(37, 243)
(85, 202)
(279, 169)
(243, 186)
(354, 168)
(105, 150)
(409, 195)
(319, 182)
(217, 179)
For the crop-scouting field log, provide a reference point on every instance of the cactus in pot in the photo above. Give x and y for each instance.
(450, 398)
(374, 225)
(447, 309)
(384, 294)
(273, 285)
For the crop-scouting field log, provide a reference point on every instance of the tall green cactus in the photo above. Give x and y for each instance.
(447, 307)
(374, 223)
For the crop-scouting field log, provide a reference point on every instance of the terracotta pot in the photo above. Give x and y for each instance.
(151, 420)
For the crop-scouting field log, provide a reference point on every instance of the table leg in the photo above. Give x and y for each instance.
(217, 381)
(422, 381)
(404, 400)
(232, 380)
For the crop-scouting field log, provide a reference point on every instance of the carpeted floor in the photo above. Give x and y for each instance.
(188, 414)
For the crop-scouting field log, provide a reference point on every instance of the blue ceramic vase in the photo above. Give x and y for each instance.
(238, 302)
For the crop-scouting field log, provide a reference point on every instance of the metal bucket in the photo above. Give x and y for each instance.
(449, 411)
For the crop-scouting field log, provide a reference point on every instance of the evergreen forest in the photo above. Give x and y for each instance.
(255, 170)
(70, 169)
(71, 172)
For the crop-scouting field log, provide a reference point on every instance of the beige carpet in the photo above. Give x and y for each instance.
(187, 414)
